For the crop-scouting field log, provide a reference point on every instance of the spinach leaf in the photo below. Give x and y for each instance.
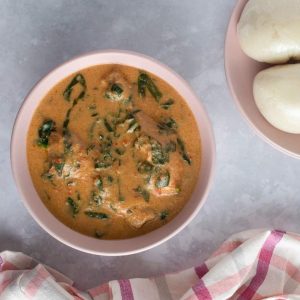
(59, 166)
(98, 234)
(167, 126)
(116, 88)
(108, 126)
(102, 164)
(143, 192)
(171, 146)
(44, 133)
(159, 155)
(96, 198)
(144, 167)
(99, 184)
(78, 79)
(96, 215)
(120, 151)
(166, 105)
(164, 214)
(145, 81)
(142, 83)
(110, 179)
(73, 206)
(163, 179)
(182, 151)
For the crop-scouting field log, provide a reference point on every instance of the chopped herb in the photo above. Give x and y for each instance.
(108, 126)
(96, 215)
(143, 192)
(171, 146)
(110, 179)
(96, 198)
(121, 198)
(59, 167)
(159, 155)
(166, 105)
(78, 79)
(73, 206)
(162, 179)
(131, 114)
(102, 164)
(182, 151)
(167, 126)
(155, 92)
(116, 88)
(99, 234)
(90, 148)
(47, 176)
(120, 151)
(145, 81)
(99, 184)
(95, 114)
(44, 133)
(142, 83)
(144, 167)
(164, 214)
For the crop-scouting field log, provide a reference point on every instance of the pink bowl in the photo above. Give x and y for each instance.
(36, 207)
(241, 71)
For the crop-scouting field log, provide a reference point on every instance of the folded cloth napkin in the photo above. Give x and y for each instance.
(256, 264)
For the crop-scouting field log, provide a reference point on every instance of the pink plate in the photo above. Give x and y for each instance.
(240, 72)
(36, 207)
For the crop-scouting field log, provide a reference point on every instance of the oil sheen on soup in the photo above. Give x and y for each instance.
(114, 152)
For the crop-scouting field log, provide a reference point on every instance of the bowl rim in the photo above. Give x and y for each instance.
(245, 116)
(62, 237)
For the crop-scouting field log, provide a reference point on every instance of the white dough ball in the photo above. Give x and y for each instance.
(269, 30)
(277, 96)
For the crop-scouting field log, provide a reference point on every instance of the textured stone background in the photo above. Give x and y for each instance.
(255, 186)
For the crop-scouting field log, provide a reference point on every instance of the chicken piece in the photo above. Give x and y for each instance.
(139, 216)
(76, 165)
(150, 127)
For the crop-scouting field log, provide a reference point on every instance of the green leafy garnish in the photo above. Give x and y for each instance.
(99, 184)
(144, 167)
(98, 234)
(78, 79)
(145, 81)
(116, 88)
(164, 214)
(143, 192)
(44, 133)
(102, 164)
(159, 155)
(171, 146)
(96, 215)
(59, 167)
(167, 126)
(166, 105)
(108, 126)
(120, 151)
(73, 206)
(96, 198)
(110, 179)
(162, 179)
(90, 148)
(182, 151)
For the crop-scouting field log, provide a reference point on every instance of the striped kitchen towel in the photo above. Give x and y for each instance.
(256, 264)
